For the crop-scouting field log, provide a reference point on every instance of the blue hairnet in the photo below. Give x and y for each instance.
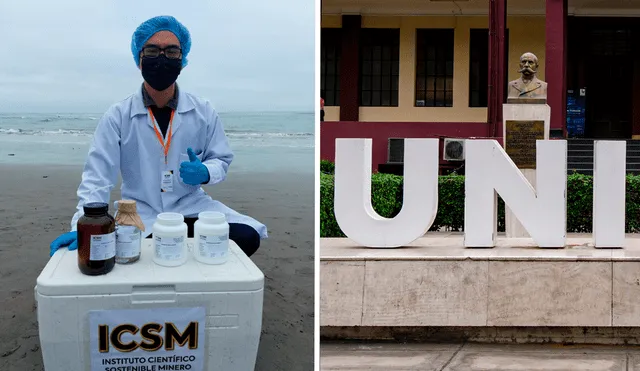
(161, 23)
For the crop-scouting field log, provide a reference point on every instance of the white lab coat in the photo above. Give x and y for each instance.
(125, 142)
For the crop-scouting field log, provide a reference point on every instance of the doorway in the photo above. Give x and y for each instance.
(601, 61)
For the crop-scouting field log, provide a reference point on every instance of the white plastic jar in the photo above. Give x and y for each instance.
(211, 237)
(170, 240)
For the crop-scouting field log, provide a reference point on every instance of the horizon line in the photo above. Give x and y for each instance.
(101, 113)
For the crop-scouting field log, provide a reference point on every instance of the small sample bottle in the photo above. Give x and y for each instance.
(170, 240)
(96, 240)
(211, 234)
(129, 229)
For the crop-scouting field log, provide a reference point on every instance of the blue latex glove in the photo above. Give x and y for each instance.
(194, 172)
(68, 239)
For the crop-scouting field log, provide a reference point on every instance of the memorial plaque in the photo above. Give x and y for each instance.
(520, 141)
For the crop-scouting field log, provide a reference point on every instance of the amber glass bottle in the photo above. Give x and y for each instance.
(96, 240)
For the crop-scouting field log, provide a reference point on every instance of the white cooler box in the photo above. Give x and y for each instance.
(144, 317)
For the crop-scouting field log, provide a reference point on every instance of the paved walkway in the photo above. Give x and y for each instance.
(476, 357)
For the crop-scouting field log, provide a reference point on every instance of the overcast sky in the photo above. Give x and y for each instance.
(74, 55)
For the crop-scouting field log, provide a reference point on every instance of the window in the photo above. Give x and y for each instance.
(611, 42)
(434, 69)
(330, 47)
(479, 67)
(379, 67)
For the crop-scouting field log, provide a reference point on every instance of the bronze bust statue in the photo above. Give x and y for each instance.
(528, 88)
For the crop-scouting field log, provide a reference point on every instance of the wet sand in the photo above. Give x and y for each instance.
(37, 203)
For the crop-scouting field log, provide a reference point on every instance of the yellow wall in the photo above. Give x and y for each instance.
(527, 34)
(331, 21)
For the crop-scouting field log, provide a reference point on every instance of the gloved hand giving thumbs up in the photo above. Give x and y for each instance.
(194, 172)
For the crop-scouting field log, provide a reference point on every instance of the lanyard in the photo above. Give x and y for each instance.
(167, 144)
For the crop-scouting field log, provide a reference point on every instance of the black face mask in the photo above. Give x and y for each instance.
(160, 72)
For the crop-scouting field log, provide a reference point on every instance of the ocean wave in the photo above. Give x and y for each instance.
(237, 133)
(76, 133)
(8, 117)
(67, 118)
(51, 118)
(235, 144)
(265, 114)
(230, 133)
(281, 144)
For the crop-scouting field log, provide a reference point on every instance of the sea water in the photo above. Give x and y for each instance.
(261, 142)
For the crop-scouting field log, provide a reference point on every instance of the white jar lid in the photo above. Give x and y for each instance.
(212, 217)
(170, 218)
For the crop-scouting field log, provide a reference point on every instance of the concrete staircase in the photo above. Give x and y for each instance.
(580, 156)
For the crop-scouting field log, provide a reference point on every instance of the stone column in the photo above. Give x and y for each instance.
(497, 65)
(556, 64)
(522, 124)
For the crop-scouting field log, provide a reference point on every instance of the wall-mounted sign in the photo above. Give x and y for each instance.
(152, 339)
(575, 114)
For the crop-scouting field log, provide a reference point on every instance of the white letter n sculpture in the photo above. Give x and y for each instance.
(541, 211)
(352, 200)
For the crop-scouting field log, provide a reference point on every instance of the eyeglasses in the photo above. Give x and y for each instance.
(171, 52)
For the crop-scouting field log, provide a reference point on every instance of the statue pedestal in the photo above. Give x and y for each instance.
(524, 123)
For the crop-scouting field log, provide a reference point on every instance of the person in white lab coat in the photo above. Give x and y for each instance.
(166, 144)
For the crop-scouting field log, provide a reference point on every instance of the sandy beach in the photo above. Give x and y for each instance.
(37, 203)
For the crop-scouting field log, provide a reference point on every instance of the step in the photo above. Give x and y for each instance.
(583, 142)
(629, 154)
(583, 172)
(570, 170)
(580, 165)
(580, 146)
(574, 157)
(580, 159)
(579, 141)
(588, 165)
(588, 153)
